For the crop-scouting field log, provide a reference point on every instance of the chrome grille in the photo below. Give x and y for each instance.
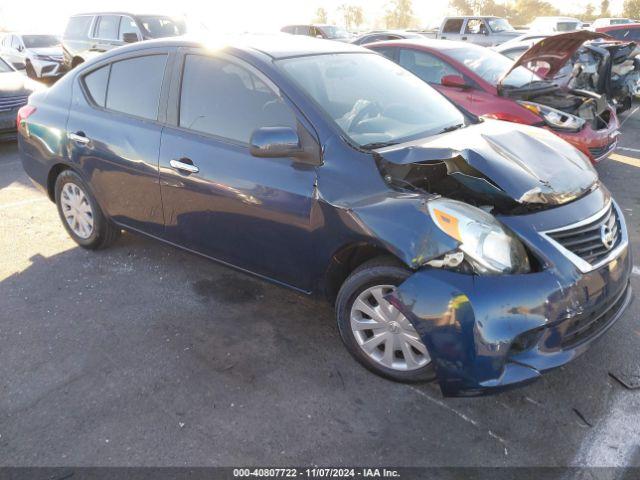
(12, 102)
(592, 242)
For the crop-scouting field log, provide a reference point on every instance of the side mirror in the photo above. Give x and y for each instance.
(272, 142)
(485, 32)
(453, 81)
(20, 48)
(129, 37)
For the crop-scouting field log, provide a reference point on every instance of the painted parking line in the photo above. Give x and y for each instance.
(634, 162)
(629, 116)
(636, 270)
(629, 149)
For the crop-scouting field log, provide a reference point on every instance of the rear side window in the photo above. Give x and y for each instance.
(223, 99)
(134, 86)
(96, 83)
(78, 27)
(453, 25)
(107, 27)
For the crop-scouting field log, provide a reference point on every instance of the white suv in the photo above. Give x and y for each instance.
(40, 55)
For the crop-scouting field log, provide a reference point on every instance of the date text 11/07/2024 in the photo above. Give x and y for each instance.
(316, 473)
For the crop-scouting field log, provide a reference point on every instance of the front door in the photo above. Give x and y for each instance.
(219, 200)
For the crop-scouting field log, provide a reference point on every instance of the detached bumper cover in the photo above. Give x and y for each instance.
(486, 333)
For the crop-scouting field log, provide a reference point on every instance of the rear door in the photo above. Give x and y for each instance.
(452, 29)
(220, 200)
(105, 33)
(114, 132)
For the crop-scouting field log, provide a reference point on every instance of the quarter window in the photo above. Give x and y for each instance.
(426, 66)
(108, 27)
(223, 99)
(96, 83)
(134, 86)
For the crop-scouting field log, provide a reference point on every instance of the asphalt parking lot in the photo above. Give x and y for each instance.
(145, 355)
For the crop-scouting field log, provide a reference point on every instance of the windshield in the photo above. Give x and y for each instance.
(160, 27)
(491, 66)
(40, 41)
(335, 32)
(499, 25)
(371, 99)
(4, 67)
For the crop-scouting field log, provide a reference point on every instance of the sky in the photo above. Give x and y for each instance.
(230, 16)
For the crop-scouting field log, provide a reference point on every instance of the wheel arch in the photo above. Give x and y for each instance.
(53, 174)
(346, 259)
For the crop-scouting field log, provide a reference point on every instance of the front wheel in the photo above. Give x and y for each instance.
(80, 213)
(376, 333)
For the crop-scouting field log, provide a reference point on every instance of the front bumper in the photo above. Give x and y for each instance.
(488, 333)
(595, 144)
(8, 125)
(47, 69)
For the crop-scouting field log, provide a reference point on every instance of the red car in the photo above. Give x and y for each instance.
(486, 83)
(625, 31)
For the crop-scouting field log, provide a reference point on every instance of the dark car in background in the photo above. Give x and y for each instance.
(328, 32)
(384, 35)
(477, 253)
(15, 89)
(90, 34)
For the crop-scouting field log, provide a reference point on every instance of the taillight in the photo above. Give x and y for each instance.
(23, 114)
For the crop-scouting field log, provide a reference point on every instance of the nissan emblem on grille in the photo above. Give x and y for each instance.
(607, 236)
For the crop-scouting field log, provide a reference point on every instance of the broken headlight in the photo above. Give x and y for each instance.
(555, 118)
(486, 244)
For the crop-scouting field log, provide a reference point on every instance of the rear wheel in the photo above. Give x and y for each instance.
(376, 333)
(80, 213)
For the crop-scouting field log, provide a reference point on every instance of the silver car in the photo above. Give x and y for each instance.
(39, 55)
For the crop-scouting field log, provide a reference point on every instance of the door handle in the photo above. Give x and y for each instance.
(184, 165)
(464, 38)
(78, 137)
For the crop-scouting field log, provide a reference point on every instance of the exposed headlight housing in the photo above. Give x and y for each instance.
(556, 119)
(487, 245)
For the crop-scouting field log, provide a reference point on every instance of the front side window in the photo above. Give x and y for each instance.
(426, 66)
(127, 25)
(370, 98)
(475, 26)
(135, 84)
(108, 27)
(161, 27)
(453, 25)
(221, 98)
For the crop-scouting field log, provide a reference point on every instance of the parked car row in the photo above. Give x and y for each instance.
(458, 242)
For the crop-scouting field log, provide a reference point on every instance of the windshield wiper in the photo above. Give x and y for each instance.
(452, 128)
(375, 145)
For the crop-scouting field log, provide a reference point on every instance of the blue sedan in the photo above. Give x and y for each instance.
(474, 252)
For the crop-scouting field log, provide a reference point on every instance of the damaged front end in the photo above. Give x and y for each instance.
(491, 301)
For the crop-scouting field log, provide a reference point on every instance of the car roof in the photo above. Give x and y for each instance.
(622, 26)
(430, 43)
(278, 45)
(472, 16)
(131, 14)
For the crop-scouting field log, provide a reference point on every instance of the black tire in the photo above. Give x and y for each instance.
(104, 231)
(31, 73)
(379, 271)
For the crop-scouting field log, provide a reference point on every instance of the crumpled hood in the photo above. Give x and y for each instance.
(555, 51)
(528, 164)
